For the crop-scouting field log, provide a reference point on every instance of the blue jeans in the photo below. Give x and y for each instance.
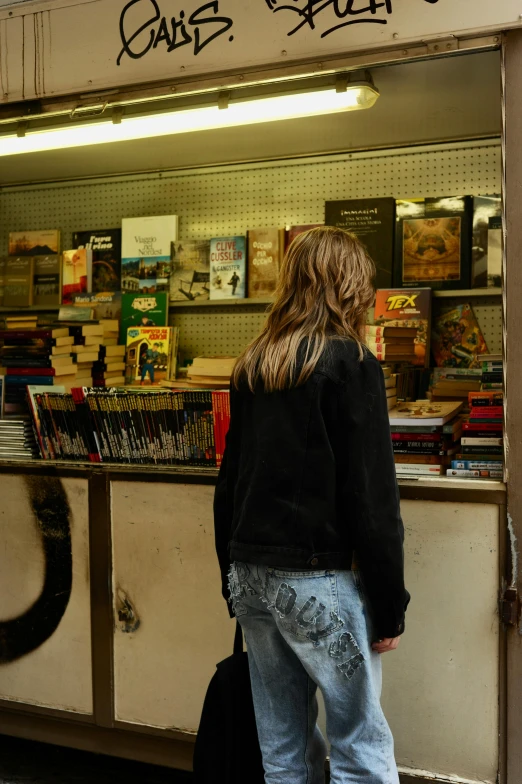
(306, 630)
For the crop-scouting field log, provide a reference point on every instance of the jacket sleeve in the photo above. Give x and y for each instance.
(369, 495)
(223, 501)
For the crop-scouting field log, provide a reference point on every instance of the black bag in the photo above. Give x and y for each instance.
(227, 747)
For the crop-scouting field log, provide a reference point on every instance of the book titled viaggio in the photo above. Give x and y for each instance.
(457, 340)
(407, 308)
(148, 355)
(76, 274)
(47, 280)
(265, 252)
(433, 242)
(190, 271)
(373, 222)
(227, 268)
(146, 253)
(105, 245)
(143, 310)
(34, 243)
(487, 241)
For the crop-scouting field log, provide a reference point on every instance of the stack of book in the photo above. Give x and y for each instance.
(109, 369)
(17, 441)
(390, 383)
(111, 331)
(481, 452)
(131, 426)
(492, 372)
(425, 436)
(211, 372)
(392, 344)
(88, 339)
(34, 356)
(449, 383)
(21, 322)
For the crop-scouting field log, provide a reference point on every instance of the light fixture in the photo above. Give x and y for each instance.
(345, 96)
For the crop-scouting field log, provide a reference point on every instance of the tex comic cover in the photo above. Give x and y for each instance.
(407, 308)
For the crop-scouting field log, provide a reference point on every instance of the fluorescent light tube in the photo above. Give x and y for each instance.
(251, 112)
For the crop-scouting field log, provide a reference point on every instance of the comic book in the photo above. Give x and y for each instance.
(457, 340)
(148, 355)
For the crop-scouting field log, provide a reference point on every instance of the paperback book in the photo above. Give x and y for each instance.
(147, 253)
(373, 222)
(265, 253)
(457, 340)
(18, 286)
(190, 276)
(105, 245)
(487, 241)
(143, 310)
(103, 304)
(228, 268)
(34, 243)
(294, 231)
(148, 355)
(406, 308)
(433, 242)
(77, 274)
(47, 280)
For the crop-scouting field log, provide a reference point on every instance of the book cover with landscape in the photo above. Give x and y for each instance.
(47, 280)
(148, 355)
(146, 253)
(433, 242)
(407, 308)
(457, 340)
(227, 268)
(143, 310)
(105, 245)
(34, 243)
(373, 222)
(265, 253)
(190, 276)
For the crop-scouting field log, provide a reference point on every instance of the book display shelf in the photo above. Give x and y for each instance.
(278, 195)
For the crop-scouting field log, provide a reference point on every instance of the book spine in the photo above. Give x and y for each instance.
(424, 437)
(492, 377)
(480, 473)
(480, 465)
(482, 450)
(477, 441)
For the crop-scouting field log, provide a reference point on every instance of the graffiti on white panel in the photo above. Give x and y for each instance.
(19, 636)
(143, 27)
(328, 16)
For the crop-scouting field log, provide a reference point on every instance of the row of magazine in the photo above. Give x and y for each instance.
(164, 427)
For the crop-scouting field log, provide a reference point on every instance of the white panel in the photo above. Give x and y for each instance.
(441, 686)
(166, 568)
(57, 673)
(248, 33)
(224, 201)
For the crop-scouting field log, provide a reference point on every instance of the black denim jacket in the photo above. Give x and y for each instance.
(308, 478)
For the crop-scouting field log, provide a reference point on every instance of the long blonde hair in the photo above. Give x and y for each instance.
(325, 289)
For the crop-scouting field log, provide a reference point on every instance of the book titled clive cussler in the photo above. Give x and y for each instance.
(105, 245)
(228, 268)
(76, 274)
(146, 253)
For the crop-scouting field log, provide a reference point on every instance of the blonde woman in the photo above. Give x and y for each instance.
(308, 528)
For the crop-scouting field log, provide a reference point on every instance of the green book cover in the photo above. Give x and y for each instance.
(143, 310)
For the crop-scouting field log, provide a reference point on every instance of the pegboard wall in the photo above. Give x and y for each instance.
(229, 200)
